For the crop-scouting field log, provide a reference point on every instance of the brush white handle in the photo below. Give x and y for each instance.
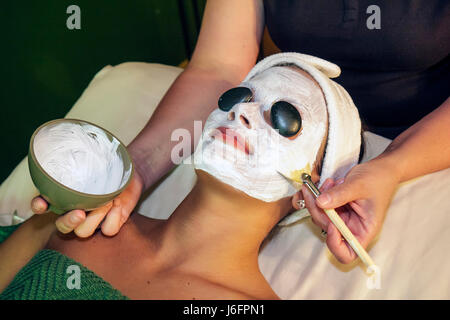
(351, 239)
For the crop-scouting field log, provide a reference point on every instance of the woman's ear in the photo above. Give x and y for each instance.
(297, 200)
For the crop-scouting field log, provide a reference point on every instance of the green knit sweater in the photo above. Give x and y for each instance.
(50, 276)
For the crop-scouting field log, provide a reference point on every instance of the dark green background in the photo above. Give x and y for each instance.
(45, 67)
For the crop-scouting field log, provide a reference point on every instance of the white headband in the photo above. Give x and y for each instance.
(344, 126)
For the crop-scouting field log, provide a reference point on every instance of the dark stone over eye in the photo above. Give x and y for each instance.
(286, 118)
(234, 96)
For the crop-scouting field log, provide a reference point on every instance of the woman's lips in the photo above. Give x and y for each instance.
(231, 137)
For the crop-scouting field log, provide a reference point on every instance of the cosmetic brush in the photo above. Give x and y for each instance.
(299, 177)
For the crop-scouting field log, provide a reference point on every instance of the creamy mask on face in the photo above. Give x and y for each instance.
(81, 157)
(241, 147)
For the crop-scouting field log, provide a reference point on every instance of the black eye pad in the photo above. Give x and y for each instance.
(234, 96)
(286, 118)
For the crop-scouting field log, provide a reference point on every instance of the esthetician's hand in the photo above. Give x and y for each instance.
(361, 199)
(113, 214)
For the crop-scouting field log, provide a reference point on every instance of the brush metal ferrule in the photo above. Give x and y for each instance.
(306, 178)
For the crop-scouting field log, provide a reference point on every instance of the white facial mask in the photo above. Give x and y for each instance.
(256, 173)
(81, 157)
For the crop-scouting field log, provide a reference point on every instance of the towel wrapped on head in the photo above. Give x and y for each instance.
(344, 129)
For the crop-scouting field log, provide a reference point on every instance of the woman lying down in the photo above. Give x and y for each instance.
(286, 108)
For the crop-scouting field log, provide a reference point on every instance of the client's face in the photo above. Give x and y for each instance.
(277, 118)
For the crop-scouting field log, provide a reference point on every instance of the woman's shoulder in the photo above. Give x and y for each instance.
(99, 252)
(50, 275)
(99, 246)
(72, 268)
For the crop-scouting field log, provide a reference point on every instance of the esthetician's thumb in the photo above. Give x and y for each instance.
(39, 205)
(342, 193)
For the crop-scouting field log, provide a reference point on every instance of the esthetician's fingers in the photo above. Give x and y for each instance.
(341, 194)
(122, 206)
(115, 219)
(39, 205)
(70, 220)
(318, 216)
(341, 249)
(338, 246)
(92, 221)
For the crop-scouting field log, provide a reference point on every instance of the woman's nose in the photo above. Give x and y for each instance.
(245, 121)
(231, 116)
(246, 114)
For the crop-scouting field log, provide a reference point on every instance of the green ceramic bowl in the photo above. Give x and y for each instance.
(62, 198)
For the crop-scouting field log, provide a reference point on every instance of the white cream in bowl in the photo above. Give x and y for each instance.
(81, 157)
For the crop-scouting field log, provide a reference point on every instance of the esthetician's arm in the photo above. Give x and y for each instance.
(226, 50)
(368, 188)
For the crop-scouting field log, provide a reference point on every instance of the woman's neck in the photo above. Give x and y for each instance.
(218, 226)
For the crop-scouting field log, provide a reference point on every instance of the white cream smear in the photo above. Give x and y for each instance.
(81, 157)
(257, 174)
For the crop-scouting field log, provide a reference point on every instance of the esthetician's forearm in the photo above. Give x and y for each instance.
(191, 97)
(423, 148)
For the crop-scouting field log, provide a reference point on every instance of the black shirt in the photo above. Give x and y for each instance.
(395, 74)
